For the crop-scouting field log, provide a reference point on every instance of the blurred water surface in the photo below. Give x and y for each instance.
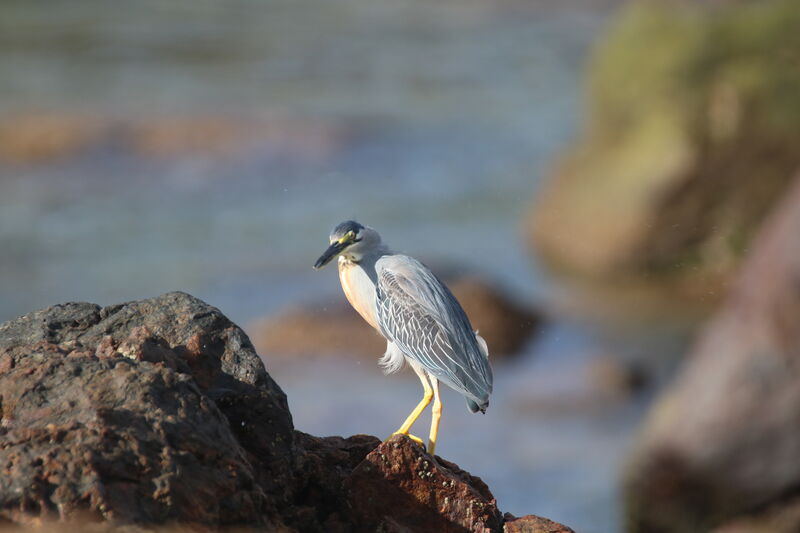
(432, 122)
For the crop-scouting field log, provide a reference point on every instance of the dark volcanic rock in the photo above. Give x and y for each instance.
(85, 434)
(109, 411)
(724, 440)
(216, 350)
(399, 487)
(323, 466)
(160, 412)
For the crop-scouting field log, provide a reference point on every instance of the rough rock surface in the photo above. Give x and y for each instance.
(678, 164)
(132, 413)
(337, 328)
(724, 440)
(159, 412)
(532, 524)
(399, 484)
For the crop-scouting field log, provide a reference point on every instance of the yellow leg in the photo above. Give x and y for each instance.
(426, 399)
(436, 416)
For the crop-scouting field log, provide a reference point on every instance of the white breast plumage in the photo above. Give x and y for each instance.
(359, 290)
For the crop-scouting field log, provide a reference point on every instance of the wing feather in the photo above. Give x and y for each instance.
(421, 316)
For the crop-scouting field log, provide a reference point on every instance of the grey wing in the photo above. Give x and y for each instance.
(422, 317)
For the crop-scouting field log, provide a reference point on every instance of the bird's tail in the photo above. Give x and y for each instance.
(475, 407)
(484, 403)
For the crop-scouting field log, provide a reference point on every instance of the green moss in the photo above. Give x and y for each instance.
(692, 133)
(639, 69)
(666, 56)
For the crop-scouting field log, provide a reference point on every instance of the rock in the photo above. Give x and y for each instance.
(224, 135)
(171, 136)
(316, 331)
(336, 328)
(532, 524)
(679, 163)
(108, 413)
(324, 465)
(393, 486)
(594, 385)
(41, 137)
(503, 323)
(613, 377)
(399, 487)
(722, 443)
(159, 412)
(782, 518)
(143, 463)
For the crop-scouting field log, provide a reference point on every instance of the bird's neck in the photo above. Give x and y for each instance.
(368, 260)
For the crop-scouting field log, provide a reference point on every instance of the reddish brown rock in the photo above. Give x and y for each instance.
(612, 377)
(503, 323)
(532, 524)
(723, 442)
(363, 484)
(159, 412)
(41, 137)
(82, 435)
(335, 328)
(135, 414)
(399, 487)
(316, 331)
(323, 466)
(224, 135)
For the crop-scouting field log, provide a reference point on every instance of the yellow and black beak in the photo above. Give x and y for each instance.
(333, 250)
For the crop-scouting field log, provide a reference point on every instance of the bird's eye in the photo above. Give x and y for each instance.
(351, 236)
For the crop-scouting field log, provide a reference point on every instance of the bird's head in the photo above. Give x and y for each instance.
(351, 240)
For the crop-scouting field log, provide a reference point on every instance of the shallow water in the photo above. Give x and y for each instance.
(433, 123)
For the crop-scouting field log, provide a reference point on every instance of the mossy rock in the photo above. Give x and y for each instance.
(693, 131)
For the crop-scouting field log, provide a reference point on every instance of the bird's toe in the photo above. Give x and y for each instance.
(410, 436)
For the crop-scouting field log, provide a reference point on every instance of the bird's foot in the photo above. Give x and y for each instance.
(410, 436)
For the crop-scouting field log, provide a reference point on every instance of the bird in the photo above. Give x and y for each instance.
(422, 322)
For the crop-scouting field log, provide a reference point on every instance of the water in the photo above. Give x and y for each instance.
(433, 122)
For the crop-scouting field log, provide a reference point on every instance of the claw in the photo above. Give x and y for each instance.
(410, 436)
